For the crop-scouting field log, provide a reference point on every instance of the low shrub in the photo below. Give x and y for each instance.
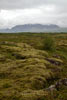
(49, 43)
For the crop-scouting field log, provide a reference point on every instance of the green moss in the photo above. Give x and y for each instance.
(26, 70)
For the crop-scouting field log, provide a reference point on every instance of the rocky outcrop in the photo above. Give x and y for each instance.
(55, 61)
(57, 85)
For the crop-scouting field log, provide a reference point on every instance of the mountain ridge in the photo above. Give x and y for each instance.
(34, 28)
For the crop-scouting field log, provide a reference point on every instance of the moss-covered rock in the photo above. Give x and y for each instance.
(26, 72)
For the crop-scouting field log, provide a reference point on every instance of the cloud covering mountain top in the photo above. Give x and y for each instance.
(14, 12)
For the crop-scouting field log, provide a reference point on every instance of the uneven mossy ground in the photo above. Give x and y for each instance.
(26, 70)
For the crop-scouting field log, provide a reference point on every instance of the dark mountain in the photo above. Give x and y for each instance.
(34, 28)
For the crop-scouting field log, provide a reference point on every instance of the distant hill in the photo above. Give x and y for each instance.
(34, 28)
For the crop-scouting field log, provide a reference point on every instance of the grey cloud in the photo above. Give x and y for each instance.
(18, 11)
(19, 4)
(23, 4)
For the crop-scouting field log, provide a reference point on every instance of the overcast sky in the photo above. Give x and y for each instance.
(14, 12)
